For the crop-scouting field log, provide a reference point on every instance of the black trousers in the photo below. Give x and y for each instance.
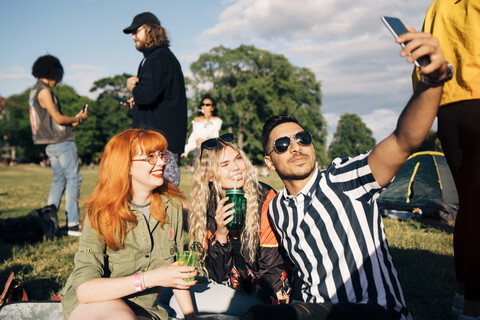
(459, 133)
(319, 311)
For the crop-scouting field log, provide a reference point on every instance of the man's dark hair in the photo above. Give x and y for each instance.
(155, 35)
(271, 123)
(48, 67)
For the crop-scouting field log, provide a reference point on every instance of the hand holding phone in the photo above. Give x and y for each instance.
(122, 100)
(397, 28)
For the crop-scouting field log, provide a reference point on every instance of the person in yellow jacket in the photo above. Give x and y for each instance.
(456, 24)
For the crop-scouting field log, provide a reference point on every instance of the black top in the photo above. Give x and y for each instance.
(225, 263)
(160, 99)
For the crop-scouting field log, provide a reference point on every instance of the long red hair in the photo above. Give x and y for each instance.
(107, 206)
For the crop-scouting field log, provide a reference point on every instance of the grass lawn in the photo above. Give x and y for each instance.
(422, 250)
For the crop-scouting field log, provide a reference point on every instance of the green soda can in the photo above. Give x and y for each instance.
(240, 206)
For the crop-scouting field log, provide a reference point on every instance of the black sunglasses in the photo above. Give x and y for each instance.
(213, 143)
(282, 144)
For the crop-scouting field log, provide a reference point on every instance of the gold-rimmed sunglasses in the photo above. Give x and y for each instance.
(152, 158)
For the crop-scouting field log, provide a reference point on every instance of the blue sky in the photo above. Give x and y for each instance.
(343, 42)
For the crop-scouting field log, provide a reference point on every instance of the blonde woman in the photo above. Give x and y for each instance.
(248, 260)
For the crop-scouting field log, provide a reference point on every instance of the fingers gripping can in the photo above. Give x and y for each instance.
(240, 206)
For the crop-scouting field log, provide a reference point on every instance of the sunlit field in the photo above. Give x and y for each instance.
(422, 250)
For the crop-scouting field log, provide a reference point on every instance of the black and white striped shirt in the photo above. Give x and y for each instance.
(334, 234)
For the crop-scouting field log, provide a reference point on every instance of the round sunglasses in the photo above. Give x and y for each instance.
(153, 157)
(282, 144)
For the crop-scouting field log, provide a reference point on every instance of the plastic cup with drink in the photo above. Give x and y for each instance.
(236, 196)
(187, 258)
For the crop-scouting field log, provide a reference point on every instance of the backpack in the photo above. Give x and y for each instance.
(39, 225)
(12, 290)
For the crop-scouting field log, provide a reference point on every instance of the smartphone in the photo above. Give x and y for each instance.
(397, 28)
(85, 107)
(122, 100)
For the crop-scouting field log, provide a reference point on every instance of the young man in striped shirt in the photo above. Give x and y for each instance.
(328, 221)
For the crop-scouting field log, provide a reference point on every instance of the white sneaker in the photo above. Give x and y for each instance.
(74, 231)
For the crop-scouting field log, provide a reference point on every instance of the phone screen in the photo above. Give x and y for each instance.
(85, 107)
(397, 28)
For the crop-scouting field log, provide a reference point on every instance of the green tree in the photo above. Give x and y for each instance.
(351, 138)
(71, 103)
(15, 128)
(112, 86)
(110, 117)
(251, 85)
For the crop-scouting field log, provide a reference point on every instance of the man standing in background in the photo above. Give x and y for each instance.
(159, 100)
(54, 129)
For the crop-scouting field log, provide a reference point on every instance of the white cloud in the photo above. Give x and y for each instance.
(382, 122)
(15, 73)
(84, 67)
(14, 77)
(78, 76)
(82, 77)
(187, 59)
(343, 42)
(311, 18)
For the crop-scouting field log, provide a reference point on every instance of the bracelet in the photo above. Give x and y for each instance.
(143, 282)
(138, 283)
(80, 119)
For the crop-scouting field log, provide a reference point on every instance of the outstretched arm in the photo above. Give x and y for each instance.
(417, 118)
(46, 102)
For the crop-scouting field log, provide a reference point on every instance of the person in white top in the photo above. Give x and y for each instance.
(205, 127)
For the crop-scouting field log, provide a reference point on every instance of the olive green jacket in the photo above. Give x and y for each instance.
(145, 248)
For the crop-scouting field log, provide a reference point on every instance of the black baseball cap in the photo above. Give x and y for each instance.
(140, 19)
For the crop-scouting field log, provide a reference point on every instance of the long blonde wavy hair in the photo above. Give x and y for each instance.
(206, 187)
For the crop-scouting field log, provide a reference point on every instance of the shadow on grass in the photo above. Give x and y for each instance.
(441, 226)
(427, 223)
(5, 250)
(41, 288)
(428, 282)
(17, 269)
(42, 282)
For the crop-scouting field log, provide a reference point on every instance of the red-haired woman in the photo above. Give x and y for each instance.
(131, 233)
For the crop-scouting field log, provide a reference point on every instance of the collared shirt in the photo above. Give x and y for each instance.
(334, 234)
(147, 246)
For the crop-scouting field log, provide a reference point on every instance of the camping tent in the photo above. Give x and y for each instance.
(424, 182)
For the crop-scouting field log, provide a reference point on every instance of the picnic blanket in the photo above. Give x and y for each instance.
(31, 310)
(52, 310)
